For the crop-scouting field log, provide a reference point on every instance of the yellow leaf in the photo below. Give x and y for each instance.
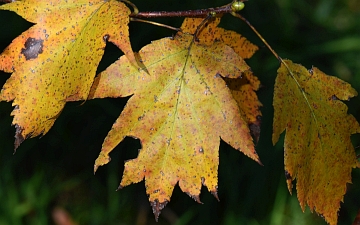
(179, 110)
(56, 59)
(318, 149)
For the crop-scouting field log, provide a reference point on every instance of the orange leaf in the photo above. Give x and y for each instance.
(179, 110)
(318, 149)
(210, 33)
(56, 59)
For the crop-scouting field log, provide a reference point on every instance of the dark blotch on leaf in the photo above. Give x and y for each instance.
(33, 47)
(311, 71)
(255, 129)
(157, 207)
(19, 138)
(334, 97)
(106, 37)
(287, 175)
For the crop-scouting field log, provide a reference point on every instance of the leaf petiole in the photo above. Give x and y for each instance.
(258, 34)
(154, 23)
(209, 16)
(136, 10)
(280, 60)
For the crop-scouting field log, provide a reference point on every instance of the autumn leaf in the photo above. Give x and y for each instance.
(318, 149)
(179, 109)
(55, 61)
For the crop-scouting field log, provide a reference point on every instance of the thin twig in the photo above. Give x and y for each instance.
(187, 13)
(282, 62)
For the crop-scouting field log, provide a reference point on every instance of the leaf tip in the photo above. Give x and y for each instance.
(120, 187)
(19, 138)
(102, 159)
(215, 195)
(196, 198)
(288, 181)
(259, 162)
(255, 157)
(95, 168)
(157, 207)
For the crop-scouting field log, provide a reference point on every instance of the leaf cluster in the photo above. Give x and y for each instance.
(187, 92)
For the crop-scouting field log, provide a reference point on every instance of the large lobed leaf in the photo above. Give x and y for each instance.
(55, 61)
(318, 150)
(179, 110)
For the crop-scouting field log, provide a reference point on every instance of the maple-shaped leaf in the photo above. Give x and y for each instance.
(55, 61)
(318, 150)
(179, 109)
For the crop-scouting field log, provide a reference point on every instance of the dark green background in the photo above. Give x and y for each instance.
(57, 170)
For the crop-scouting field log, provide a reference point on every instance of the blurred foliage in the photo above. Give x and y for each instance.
(56, 170)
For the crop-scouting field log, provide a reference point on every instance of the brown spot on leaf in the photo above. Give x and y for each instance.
(311, 71)
(106, 37)
(255, 129)
(19, 138)
(334, 98)
(33, 47)
(201, 150)
(287, 175)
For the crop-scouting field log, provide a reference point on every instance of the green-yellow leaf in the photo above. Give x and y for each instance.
(179, 110)
(56, 59)
(318, 149)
